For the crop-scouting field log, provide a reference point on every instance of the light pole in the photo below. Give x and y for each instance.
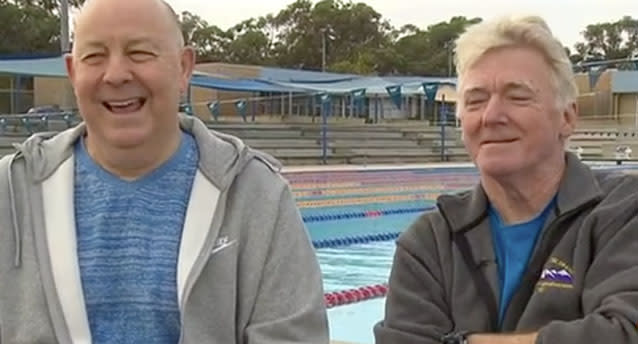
(323, 49)
(449, 46)
(64, 26)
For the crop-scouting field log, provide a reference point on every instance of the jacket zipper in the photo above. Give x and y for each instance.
(480, 280)
(549, 239)
(198, 267)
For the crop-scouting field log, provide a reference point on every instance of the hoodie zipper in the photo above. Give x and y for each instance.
(198, 267)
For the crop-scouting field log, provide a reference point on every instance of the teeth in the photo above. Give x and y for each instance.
(122, 104)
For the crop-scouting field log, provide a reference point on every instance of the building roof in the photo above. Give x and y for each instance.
(303, 76)
(277, 80)
(240, 85)
(624, 81)
(372, 85)
(39, 66)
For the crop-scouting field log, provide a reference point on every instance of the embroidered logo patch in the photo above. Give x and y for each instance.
(556, 274)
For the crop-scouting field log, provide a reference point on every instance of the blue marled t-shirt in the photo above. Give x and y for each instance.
(128, 236)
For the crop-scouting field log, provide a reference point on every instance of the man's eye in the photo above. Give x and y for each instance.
(519, 98)
(474, 102)
(93, 57)
(140, 55)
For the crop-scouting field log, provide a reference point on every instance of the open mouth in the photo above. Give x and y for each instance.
(125, 106)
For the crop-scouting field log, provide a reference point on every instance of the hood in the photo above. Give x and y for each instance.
(221, 158)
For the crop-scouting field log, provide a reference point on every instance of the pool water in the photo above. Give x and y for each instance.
(355, 203)
(343, 204)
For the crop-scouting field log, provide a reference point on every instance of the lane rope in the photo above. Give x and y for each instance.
(350, 296)
(354, 240)
(364, 214)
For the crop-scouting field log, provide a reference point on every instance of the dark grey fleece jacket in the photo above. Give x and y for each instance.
(581, 284)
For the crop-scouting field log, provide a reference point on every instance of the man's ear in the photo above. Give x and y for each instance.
(569, 118)
(68, 63)
(188, 66)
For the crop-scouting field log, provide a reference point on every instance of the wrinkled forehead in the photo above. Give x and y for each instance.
(108, 21)
(497, 85)
(509, 65)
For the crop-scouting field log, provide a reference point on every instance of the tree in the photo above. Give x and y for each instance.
(51, 6)
(209, 41)
(28, 29)
(608, 41)
(429, 52)
(353, 33)
(251, 42)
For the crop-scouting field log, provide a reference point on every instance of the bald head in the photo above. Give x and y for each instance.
(129, 71)
(175, 20)
(85, 19)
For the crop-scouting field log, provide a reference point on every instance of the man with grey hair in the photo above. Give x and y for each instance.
(543, 250)
(143, 226)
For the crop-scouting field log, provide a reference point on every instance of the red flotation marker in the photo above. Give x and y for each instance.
(350, 296)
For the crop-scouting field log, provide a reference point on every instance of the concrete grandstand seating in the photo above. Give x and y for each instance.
(300, 143)
(4, 150)
(6, 144)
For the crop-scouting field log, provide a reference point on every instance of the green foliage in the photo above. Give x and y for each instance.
(354, 37)
(209, 41)
(608, 41)
(28, 29)
(429, 52)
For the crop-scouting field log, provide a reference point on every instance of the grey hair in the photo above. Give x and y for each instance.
(529, 31)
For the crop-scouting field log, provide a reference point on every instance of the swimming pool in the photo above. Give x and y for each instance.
(353, 217)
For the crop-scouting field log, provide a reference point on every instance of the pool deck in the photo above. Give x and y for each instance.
(335, 168)
(342, 168)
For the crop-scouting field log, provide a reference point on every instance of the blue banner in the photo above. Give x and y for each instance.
(324, 98)
(594, 75)
(326, 103)
(213, 107)
(186, 108)
(241, 108)
(68, 119)
(358, 98)
(430, 89)
(395, 95)
(358, 94)
(326, 109)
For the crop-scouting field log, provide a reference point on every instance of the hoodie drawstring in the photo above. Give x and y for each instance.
(14, 217)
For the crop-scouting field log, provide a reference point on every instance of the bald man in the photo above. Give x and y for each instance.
(141, 225)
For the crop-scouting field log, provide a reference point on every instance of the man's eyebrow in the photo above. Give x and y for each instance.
(141, 41)
(519, 86)
(132, 42)
(91, 44)
(475, 90)
(510, 86)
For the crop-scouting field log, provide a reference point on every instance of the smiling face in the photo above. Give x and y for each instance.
(128, 69)
(510, 114)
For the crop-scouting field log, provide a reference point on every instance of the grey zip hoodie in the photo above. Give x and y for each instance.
(247, 272)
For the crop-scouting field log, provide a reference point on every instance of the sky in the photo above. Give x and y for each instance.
(566, 18)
